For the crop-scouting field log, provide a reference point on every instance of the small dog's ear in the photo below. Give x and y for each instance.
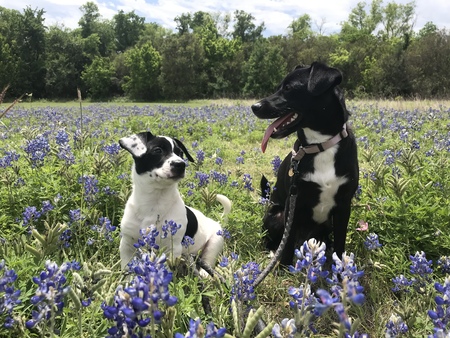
(136, 144)
(322, 78)
(183, 148)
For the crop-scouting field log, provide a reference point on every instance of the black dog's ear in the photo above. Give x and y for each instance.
(183, 148)
(136, 144)
(322, 78)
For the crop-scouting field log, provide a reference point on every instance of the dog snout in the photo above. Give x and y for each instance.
(178, 167)
(257, 106)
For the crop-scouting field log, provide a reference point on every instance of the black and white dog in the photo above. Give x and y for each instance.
(309, 103)
(158, 167)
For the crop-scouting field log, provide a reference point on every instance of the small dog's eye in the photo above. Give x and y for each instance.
(157, 150)
(287, 87)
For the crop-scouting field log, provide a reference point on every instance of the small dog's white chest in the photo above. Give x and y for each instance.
(325, 176)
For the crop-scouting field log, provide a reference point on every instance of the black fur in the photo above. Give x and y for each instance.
(312, 93)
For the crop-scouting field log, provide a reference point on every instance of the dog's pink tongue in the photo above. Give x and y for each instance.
(270, 129)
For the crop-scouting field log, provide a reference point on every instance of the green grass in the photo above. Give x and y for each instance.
(404, 202)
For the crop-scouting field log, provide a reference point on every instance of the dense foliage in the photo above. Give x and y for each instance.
(65, 181)
(213, 55)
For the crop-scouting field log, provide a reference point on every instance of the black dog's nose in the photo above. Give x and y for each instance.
(257, 106)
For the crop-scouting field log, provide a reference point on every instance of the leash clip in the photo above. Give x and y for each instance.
(293, 170)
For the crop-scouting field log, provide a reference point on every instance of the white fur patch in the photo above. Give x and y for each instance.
(134, 145)
(324, 175)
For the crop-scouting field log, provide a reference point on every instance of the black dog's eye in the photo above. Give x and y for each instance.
(157, 150)
(287, 88)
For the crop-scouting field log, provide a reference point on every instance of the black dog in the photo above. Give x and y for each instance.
(323, 162)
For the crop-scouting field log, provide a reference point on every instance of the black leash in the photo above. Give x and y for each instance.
(288, 226)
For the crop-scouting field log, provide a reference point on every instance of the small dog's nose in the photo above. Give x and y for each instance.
(178, 165)
(257, 106)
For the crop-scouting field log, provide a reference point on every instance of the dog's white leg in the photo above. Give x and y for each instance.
(127, 251)
(210, 252)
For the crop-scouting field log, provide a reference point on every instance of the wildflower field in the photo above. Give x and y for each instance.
(65, 181)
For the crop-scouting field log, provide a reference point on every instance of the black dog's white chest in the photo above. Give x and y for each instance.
(324, 175)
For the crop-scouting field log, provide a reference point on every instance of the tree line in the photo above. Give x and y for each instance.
(218, 55)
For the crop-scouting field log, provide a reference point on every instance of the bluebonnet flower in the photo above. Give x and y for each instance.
(142, 303)
(421, 268)
(286, 330)
(122, 176)
(194, 144)
(30, 214)
(302, 297)
(444, 264)
(9, 296)
(219, 161)
(327, 300)
(105, 227)
(226, 260)
(395, 327)
(195, 329)
(239, 160)
(48, 300)
(203, 179)
(169, 227)
(187, 241)
(46, 207)
(65, 153)
(112, 149)
(62, 138)
(441, 316)
(248, 182)
(344, 283)
(108, 191)
(234, 184)
(221, 178)
(37, 149)
(224, 233)
(8, 159)
(415, 144)
(310, 260)
(276, 162)
(200, 156)
(148, 238)
(419, 264)
(90, 184)
(401, 283)
(244, 278)
(372, 242)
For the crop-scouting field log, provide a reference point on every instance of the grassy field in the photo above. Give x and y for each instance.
(65, 183)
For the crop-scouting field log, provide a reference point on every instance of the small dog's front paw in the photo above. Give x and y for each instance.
(203, 273)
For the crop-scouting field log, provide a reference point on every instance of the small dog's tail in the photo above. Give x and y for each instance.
(226, 203)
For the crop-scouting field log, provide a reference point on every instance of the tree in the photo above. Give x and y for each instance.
(183, 74)
(10, 62)
(398, 21)
(300, 28)
(90, 18)
(264, 70)
(245, 29)
(144, 64)
(97, 78)
(127, 28)
(31, 51)
(428, 65)
(360, 23)
(65, 60)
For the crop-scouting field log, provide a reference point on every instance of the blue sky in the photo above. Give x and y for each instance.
(276, 14)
